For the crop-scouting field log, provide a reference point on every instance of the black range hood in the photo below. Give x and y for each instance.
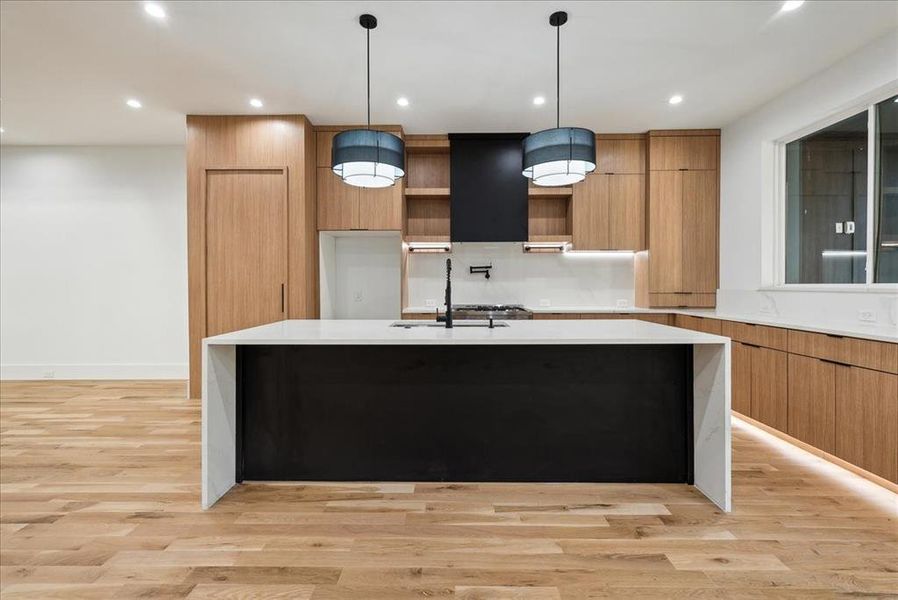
(487, 190)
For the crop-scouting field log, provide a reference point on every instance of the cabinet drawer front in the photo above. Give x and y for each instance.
(685, 300)
(757, 335)
(698, 324)
(600, 316)
(556, 316)
(880, 356)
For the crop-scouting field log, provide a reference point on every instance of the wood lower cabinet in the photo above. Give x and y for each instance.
(760, 387)
(769, 387)
(867, 419)
(702, 324)
(740, 358)
(812, 402)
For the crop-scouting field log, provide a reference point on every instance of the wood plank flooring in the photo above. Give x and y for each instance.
(99, 498)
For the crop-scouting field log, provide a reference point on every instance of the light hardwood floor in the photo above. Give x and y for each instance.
(100, 499)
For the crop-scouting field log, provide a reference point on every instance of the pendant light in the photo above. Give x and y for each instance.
(365, 157)
(563, 155)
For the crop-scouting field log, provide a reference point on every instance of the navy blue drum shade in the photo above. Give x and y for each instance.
(560, 156)
(368, 158)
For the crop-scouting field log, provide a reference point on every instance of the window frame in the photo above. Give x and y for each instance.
(866, 104)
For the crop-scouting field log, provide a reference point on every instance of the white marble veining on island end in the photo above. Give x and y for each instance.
(312, 331)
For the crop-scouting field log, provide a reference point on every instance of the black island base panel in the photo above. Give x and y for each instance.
(572, 413)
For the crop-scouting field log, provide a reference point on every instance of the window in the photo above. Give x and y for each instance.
(830, 199)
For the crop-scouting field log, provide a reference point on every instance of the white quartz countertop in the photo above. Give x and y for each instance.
(879, 332)
(624, 331)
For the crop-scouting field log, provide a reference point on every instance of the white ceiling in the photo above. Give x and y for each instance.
(66, 68)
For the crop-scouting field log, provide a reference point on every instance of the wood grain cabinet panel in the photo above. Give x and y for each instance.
(325, 142)
(769, 387)
(759, 335)
(867, 420)
(702, 324)
(380, 208)
(591, 211)
(338, 203)
(683, 152)
(740, 359)
(246, 249)
(870, 354)
(555, 316)
(682, 300)
(812, 401)
(699, 238)
(666, 231)
(626, 198)
(618, 155)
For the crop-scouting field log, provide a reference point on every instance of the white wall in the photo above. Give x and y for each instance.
(748, 233)
(360, 275)
(569, 279)
(93, 262)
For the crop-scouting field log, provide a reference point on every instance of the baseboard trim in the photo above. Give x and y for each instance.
(880, 481)
(26, 372)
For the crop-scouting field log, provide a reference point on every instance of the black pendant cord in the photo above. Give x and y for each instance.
(368, 70)
(557, 76)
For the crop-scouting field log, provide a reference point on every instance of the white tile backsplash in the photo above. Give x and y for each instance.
(536, 280)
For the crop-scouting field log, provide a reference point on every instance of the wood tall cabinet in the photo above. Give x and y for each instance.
(251, 220)
(608, 208)
(343, 207)
(681, 265)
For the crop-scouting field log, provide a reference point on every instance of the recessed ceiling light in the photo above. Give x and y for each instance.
(154, 10)
(539, 100)
(790, 5)
(255, 103)
(402, 101)
(675, 99)
(134, 103)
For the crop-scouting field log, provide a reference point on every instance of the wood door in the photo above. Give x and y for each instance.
(666, 231)
(867, 420)
(741, 378)
(626, 203)
(380, 208)
(246, 248)
(812, 401)
(699, 222)
(338, 203)
(591, 211)
(770, 387)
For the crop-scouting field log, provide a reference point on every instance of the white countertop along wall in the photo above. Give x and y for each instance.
(546, 279)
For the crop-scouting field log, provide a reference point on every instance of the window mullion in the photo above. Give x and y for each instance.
(871, 193)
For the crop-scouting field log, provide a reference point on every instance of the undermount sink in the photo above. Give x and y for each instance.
(455, 324)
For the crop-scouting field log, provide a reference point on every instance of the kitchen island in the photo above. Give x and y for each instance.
(553, 401)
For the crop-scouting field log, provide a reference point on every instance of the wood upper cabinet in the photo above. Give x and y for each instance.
(681, 151)
(812, 401)
(867, 419)
(608, 207)
(344, 207)
(338, 203)
(591, 210)
(325, 141)
(380, 208)
(620, 154)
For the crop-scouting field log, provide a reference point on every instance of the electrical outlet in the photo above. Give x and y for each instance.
(866, 315)
(544, 302)
(849, 226)
(430, 303)
(623, 303)
(839, 227)
(49, 374)
(357, 296)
